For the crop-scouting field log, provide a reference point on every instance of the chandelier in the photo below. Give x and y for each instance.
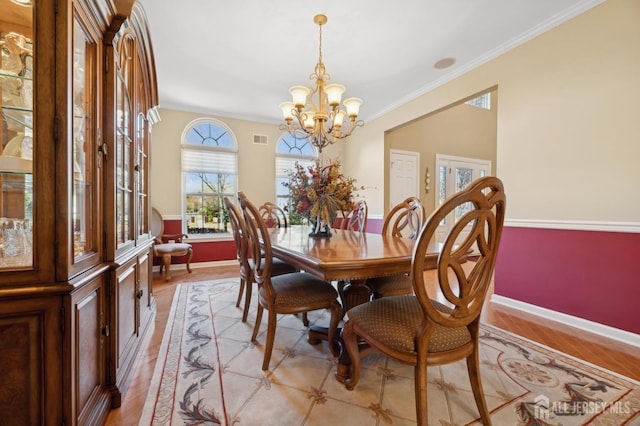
(321, 120)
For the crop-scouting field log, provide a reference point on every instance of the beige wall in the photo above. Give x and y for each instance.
(568, 127)
(256, 163)
(461, 130)
(568, 120)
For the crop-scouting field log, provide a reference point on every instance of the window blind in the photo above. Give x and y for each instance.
(209, 161)
(284, 165)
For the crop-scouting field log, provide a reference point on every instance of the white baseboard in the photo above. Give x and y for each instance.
(576, 322)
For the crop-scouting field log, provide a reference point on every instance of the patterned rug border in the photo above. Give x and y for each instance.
(539, 345)
(154, 387)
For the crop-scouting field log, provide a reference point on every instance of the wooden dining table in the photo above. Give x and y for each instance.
(349, 257)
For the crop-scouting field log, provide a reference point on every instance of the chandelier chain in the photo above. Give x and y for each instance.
(322, 123)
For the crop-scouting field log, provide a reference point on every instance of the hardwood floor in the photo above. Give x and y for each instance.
(607, 353)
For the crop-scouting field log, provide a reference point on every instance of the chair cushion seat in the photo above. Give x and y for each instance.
(172, 248)
(392, 284)
(278, 267)
(394, 321)
(301, 289)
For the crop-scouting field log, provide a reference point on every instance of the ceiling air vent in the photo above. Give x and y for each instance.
(260, 139)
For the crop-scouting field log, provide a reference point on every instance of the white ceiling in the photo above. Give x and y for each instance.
(238, 58)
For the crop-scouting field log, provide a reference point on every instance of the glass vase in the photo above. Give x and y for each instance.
(319, 228)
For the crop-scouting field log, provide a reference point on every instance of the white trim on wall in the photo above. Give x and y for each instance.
(576, 322)
(171, 217)
(576, 225)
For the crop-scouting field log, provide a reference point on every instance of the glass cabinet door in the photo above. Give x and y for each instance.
(81, 170)
(16, 134)
(124, 144)
(84, 146)
(141, 167)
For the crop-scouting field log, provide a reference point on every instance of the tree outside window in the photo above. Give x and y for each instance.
(209, 166)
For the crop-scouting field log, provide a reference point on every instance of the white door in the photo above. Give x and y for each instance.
(403, 175)
(453, 174)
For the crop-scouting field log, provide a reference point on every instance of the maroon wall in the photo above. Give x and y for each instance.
(588, 274)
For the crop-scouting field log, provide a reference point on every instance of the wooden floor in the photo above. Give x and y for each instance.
(610, 354)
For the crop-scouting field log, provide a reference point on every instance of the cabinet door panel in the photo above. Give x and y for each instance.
(29, 329)
(20, 381)
(127, 312)
(145, 290)
(88, 342)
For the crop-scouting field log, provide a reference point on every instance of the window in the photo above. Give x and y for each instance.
(482, 101)
(209, 173)
(291, 149)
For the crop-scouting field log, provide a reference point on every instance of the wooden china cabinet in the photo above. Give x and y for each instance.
(78, 99)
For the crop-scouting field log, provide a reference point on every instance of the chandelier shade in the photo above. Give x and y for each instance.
(321, 118)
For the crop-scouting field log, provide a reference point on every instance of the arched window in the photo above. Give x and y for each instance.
(290, 150)
(209, 173)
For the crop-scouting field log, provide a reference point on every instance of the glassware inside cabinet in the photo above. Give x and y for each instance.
(16, 134)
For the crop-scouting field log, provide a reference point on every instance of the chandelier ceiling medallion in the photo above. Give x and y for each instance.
(321, 120)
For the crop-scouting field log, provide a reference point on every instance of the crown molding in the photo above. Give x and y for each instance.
(553, 22)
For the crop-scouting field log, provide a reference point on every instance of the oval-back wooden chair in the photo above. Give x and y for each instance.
(244, 256)
(438, 324)
(404, 220)
(273, 215)
(356, 220)
(292, 293)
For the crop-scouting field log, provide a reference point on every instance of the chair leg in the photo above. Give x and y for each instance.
(305, 319)
(271, 337)
(473, 367)
(420, 384)
(247, 300)
(240, 292)
(189, 255)
(166, 260)
(350, 339)
(256, 326)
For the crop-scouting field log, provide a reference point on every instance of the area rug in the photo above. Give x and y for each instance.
(208, 373)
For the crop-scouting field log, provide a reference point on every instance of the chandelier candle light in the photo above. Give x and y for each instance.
(321, 121)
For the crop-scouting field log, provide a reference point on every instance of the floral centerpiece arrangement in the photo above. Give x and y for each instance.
(319, 192)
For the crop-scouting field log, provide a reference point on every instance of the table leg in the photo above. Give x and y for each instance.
(354, 293)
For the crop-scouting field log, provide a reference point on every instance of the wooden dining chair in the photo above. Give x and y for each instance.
(439, 324)
(244, 257)
(404, 220)
(165, 246)
(297, 292)
(356, 219)
(273, 215)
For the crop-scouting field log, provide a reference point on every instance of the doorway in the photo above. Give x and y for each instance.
(453, 174)
(403, 175)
